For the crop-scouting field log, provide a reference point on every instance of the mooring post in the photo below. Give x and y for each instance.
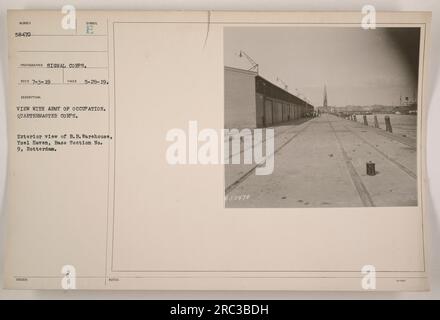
(376, 123)
(365, 120)
(371, 168)
(388, 124)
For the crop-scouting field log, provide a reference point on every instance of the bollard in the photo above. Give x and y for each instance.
(371, 168)
(388, 124)
(376, 123)
(365, 120)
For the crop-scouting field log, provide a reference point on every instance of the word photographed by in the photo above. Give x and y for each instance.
(224, 146)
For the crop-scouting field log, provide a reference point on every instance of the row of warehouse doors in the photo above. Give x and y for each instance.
(276, 112)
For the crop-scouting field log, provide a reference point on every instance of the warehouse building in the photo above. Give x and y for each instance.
(254, 102)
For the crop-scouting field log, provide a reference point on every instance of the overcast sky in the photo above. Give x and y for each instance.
(359, 67)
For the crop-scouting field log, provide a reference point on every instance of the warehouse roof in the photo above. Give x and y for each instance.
(253, 73)
(269, 89)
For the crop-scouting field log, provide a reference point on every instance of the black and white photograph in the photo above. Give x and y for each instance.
(342, 106)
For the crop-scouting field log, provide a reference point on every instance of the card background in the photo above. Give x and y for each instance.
(432, 132)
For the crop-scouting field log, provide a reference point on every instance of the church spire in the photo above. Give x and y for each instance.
(325, 97)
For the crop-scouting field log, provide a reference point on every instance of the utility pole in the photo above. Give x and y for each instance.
(252, 61)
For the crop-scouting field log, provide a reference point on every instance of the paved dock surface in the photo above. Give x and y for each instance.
(322, 163)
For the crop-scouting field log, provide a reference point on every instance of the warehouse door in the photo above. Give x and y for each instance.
(277, 112)
(267, 113)
(285, 112)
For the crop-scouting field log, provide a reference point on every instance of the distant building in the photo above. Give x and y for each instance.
(325, 104)
(325, 107)
(252, 101)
